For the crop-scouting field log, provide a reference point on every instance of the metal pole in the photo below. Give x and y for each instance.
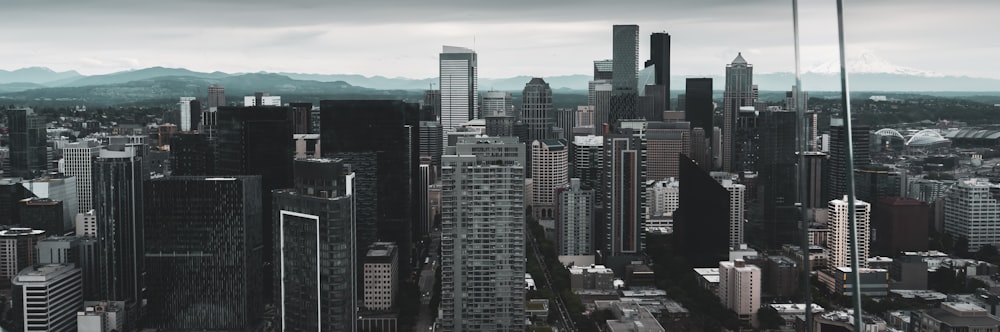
(845, 96)
(802, 173)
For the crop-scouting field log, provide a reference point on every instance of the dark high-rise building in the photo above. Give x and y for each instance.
(777, 220)
(497, 126)
(27, 143)
(203, 243)
(901, 225)
(698, 106)
(389, 130)
(739, 92)
(653, 102)
(431, 139)
(659, 55)
(536, 109)
(118, 189)
(701, 222)
(301, 117)
(195, 113)
(624, 178)
(316, 275)
(566, 119)
(11, 194)
(257, 141)
(837, 172)
(603, 69)
(44, 214)
(216, 96)
(432, 102)
(192, 154)
(875, 182)
(625, 74)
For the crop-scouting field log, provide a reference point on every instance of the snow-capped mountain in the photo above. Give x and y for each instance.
(868, 63)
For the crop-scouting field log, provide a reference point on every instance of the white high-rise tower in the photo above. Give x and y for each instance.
(458, 79)
(186, 113)
(839, 241)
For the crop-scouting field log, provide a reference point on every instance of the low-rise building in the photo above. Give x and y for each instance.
(101, 316)
(954, 316)
(874, 282)
(630, 317)
(591, 277)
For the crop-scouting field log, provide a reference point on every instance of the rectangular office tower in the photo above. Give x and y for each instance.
(27, 143)
(739, 92)
(624, 178)
(536, 109)
(624, 74)
(702, 220)
(837, 172)
(316, 252)
(118, 203)
(46, 297)
(482, 235)
(78, 158)
(387, 130)
(203, 251)
(457, 77)
(659, 56)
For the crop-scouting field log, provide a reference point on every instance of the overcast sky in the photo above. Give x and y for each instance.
(512, 37)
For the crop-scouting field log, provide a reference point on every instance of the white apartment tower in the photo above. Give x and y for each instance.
(459, 91)
(550, 171)
(839, 238)
(77, 160)
(185, 104)
(971, 210)
(737, 194)
(575, 219)
(482, 235)
(739, 288)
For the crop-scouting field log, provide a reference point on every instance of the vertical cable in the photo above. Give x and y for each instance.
(845, 96)
(800, 143)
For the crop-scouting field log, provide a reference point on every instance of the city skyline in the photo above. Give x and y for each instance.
(227, 36)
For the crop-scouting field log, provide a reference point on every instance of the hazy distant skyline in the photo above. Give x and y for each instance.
(536, 38)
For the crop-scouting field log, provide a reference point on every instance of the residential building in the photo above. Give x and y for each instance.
(971, 211)
(624, 178)
(575, 219)
(839, 241)
(739, 288)
(550, 171)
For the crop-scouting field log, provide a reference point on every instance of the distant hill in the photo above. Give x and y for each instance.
(36, 75)
(18, 86)
(141, 74)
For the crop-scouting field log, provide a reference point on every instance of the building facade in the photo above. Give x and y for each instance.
(458, 78)
(624, 178)
(78, 159)
(739, 288)
(839, 240)
(972, 211)
(381, 282)
(536, 109)
(46, 297)
(738, 93)
(28, 142)
(549, 171)
(575, 219)
(118, 204)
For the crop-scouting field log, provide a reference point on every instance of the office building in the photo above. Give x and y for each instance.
(482, 232)
(839, 241)
(874, 282)
(872, 183)
(190, 116)
(837, 171)
(203, 246)
(773, 156)
(698, 105)
(431, 139)
(381, 282)
(216, 96)
(17, 251)
(301, 117)
(971, 211)
(101, 316)
(118, 183)
(549, 171)
(659, 56)
(458, 78)
(739, 93)
(954, 316)
(261, 99)
(900, 225)
(499, 126)
(587, 155)
(702, 235)
(389, 130)
(624, 74)
(61, 189)
(28, 142)
(86, 224)
(80, 251)
(653, 101)
(565, 119)
(163, 134)
(603, 69)
(192, 155)
(496, 103)
(46, 297)
(316, 253)
(430, 108)
(662, 198)
(624, 177)
(78, 159)
(42, 214)
(536, 109)
(602, 108)
(575, 219)
(428, 176)
(664, 143)
(739, 288)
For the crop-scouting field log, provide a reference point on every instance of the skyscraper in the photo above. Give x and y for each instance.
(431, 139)
(837, 172)
(316, 251)
(839, 240)
(482, 235)
(603, 69)
(664, 142)
(27, 143)
(118, 202)
(625, 73)
(659, 55)
(388, 129)
(381, 280)
(549, 171)
(602, 108)
(702, 235)
(536, 109)
(699, 109)
(776, 188)
(624, 177)
(497, 103)
(575, 219)
(587, 156)
(192, 154)
(203, 243)
(458, 79)
(188, 118)
(301, 117)
(17, 251)
(737, 194)
(216, 96)
(739, 92)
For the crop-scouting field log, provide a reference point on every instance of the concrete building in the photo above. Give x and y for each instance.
(482, 235)
(662, 197)
(496, 103)
(901, 224)
(737, 220)
(591, 277)
(187, 118)
(63, 189)
(874, 282)
(575, 219)
(839, 240)
(431, 140)
(261, 99)
(953, 316)
(536, 109)
(587, 156)
(549, 171)
(630, 317)
(458, 78)
(46, 297)
(664, 143)
(972, 211)
(86, 224)
(101, 316)
(216, 96)
(381, 283)
(80, 251)
(739, 288)
(17, 251)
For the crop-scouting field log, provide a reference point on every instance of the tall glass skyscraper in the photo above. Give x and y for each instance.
(458, 79)
(739, 92)
(482, 235)
(625, 73)
(203, 243)
(27, 143)
(536, 109)
(118, 202)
